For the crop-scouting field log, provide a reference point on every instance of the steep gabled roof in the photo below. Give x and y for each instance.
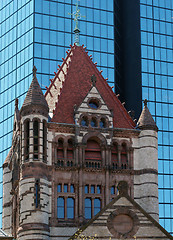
(75, 77)
(34, 95)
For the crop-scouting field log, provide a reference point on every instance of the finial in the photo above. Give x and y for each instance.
(93, 80)
(77, 15)
(145, 102)
(16, 103)
(34, 70)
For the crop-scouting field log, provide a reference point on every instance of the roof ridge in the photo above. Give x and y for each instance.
(59, 70)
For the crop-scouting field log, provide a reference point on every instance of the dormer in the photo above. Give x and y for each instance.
(93, 111)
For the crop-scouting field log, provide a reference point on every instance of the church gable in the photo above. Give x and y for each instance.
(122, 218)
(76, 83)
(93, 110)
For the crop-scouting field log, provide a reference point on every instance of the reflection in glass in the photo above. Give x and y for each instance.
(97, 205)
(87, 208)
(60, 207)
(70, 208)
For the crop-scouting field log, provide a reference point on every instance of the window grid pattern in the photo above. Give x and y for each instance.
(16, 62)
(53, 34)
(38, 33)
(93, 200)
(157, 87)
(65, 201)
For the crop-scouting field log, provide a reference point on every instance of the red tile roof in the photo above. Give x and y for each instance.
(76, 85)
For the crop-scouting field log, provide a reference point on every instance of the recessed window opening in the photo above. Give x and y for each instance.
(44, 141)
(102, 123)
(35, 126)
(84, 121)
(93, 122)
(60, 150)
(37, 193)
(93, 103)
(27, 135)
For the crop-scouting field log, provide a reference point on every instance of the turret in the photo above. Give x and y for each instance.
(146, 164)
(34, 184)
(34, 116)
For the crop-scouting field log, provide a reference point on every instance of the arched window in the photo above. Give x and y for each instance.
(27, 135)
(94, 103)
(97, 205)
(35, 131)
(88, 209)
(93, 154)
(70, 208)
(115, 156)
(93, 122)
(124, 158)
(60, 153)
(84, 121)
(60, 207)
(70, 155)
(44, 140)
(102, 123)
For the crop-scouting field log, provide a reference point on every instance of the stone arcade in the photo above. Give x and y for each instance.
(79, 166)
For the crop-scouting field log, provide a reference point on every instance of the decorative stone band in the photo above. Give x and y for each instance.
(34, 109)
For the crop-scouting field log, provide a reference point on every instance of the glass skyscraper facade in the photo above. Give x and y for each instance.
(38, 32)
(157, 87)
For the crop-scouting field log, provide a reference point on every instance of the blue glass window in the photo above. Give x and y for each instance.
(65, 188)
(84, 121)
(70, 208)
(93, 104)
(86, 188)
(60, 207)
(98, 189)
(92, 189)
(97, 205)
(93, 122)
(87, 208)
(102, 123)
(59, 188)
(72, 188)
(112, 190)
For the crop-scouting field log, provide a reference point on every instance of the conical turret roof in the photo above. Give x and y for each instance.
(34, 95)
(146, 120)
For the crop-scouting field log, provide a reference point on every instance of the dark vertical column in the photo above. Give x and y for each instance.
(129, 84)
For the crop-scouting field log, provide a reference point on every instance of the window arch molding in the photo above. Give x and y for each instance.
(97, 136)
(121, 157)
(64, 151)
(93, 153)
(103, 122)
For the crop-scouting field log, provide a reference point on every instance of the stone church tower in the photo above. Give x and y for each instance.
(78, 156)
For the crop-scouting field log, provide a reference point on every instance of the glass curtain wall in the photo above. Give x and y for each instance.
(157, 87)
(38, 32)
(16, 61)
(53, 34)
